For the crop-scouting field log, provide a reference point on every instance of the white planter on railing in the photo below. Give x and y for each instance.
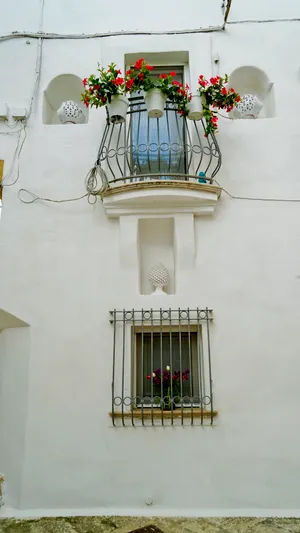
(195, 107)
(155, 101)
(117, 108)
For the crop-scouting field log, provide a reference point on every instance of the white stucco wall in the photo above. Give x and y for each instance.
(14, 375)
(61, 273)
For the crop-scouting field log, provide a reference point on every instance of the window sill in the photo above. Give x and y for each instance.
(146, 413)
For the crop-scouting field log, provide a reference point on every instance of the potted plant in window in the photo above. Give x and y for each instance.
(138, 79)
(214, 94)
(107, 88)
(162, 380)
(157, 89)
(175, 91)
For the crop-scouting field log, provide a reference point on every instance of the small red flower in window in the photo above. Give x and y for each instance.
(139, 63)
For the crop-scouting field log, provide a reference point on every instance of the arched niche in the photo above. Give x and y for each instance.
(250, 80)
(62, 88)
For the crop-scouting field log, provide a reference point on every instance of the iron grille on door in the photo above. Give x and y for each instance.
(161, 367)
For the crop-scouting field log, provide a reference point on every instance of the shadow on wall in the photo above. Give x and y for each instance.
(61, 101)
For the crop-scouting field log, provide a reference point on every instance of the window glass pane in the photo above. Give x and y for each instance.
(164, 137)
(188, 350)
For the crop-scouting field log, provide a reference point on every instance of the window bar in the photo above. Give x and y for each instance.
(123, 366)
(171, 366)
(169, 137)
(161, 366)
(152, 370)
(102, 145)
(188, 151)
(180, 363)
(209, 368)
(126, 141)
(179, 137)
(117, 148)
(201, 149)
(137, 162)
(142, 366)
(132, 400)
(219, 156)
(210, 152)
(158, 144)
(199, 366)
(114, 369)
(191, 368)
(108, 163)
(148, 144)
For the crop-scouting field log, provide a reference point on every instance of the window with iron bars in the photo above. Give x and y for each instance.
(161, 371)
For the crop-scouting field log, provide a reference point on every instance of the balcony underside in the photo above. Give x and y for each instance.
(160, 197)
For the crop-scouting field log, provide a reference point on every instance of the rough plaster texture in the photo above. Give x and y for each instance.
(118, 524)
(61, 273)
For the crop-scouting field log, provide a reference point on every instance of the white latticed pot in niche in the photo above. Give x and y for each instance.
(249, 106)
(159, 278)
(70, 113)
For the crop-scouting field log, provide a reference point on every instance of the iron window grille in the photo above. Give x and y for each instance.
(161, 371)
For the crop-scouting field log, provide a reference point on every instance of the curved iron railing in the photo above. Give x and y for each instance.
(171, 147)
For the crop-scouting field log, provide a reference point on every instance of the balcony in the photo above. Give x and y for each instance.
(158, 165)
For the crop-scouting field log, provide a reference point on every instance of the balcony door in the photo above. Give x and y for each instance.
(158, 144)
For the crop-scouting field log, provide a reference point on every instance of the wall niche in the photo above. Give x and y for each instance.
(64, 89)
(257, 93)
(155, 246)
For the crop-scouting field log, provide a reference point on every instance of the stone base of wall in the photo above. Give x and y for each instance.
(121, 524)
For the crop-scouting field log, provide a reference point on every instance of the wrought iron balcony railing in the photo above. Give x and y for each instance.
(171, 147)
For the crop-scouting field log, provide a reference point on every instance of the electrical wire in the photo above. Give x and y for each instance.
(257, 199)
(122, 33)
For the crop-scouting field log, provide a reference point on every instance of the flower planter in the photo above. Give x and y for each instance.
(117, 108)
(195, 107)
(155, 101)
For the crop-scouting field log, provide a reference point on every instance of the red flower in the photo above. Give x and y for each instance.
(103, 99)
(96, 87)
(224, 90)
(214, 120)
(129, 84)
(85, 81)
(91, 90)
(175, 82)
(139, 63)
(238, 98)
(231, 90)
(213, 81)
(203, 83)
(162, 76)
(128, 72)
(118, 71)
(118, 81)
(141, 76)
(173, 73)
(148, 67)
